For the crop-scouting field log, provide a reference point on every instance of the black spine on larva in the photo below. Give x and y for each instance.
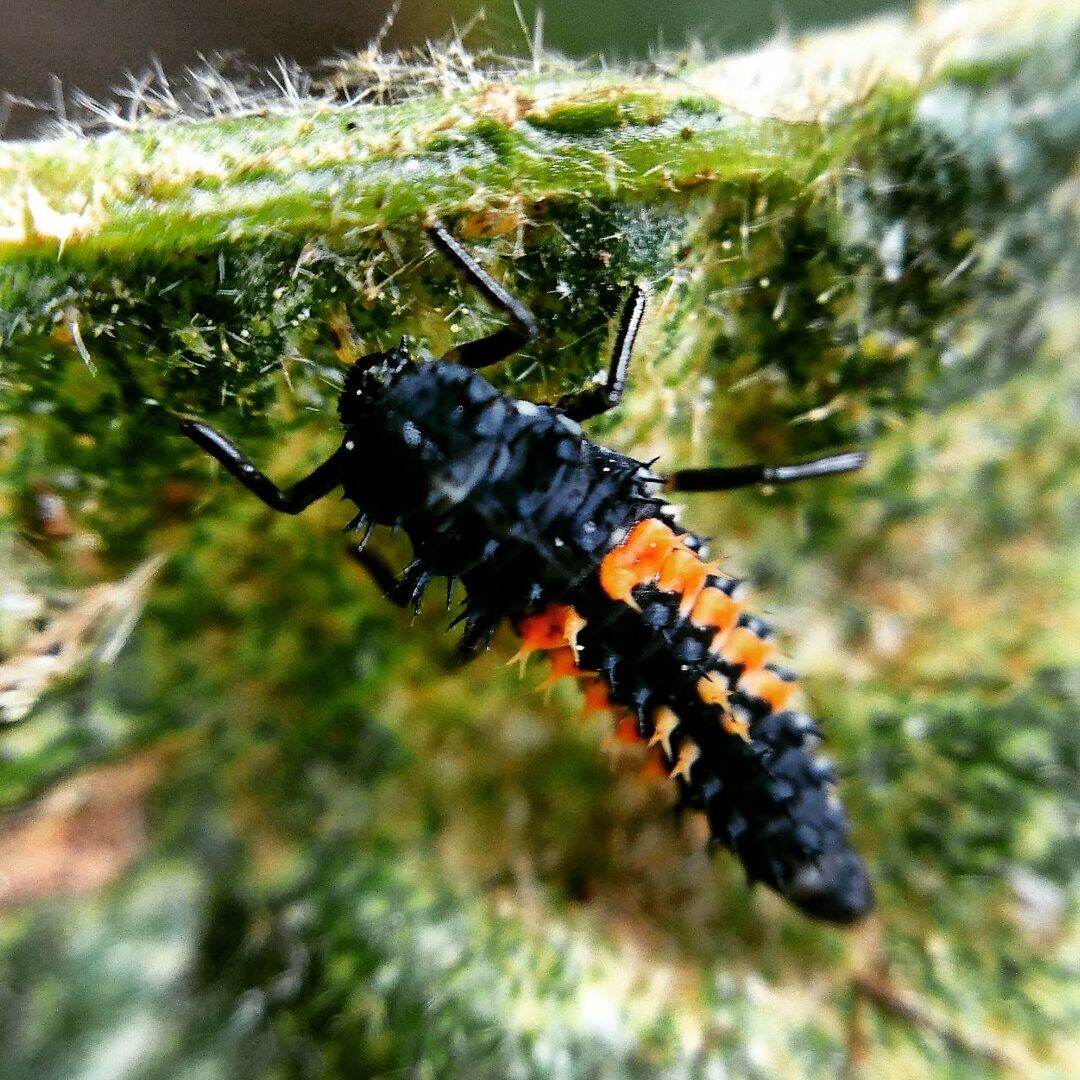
(512, 500)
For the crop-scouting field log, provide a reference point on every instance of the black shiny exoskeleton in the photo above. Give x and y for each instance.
(510, 498)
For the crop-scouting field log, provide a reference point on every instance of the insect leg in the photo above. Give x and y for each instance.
(498, 346)
(301, 495)
(597, 399)
(405, 590)
(379, 570)
(737, 476)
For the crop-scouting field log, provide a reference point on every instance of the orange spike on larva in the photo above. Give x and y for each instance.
(574, 625)
(552, 628)
(556, 625)
(713, 689)
(618, 582)
(651, 539)
(744, 647)
(733, 725)
(664, 723)
(715, 608)
(689, 752)
(597, 698)
(769, 687)
(521, 658)
(563, 665)
(684, 573)
(637, 560)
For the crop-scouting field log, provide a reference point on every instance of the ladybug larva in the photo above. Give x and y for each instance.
(576, 546)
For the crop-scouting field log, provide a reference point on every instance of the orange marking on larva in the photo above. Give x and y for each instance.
(573, 624)
(637, 560)
(552, 628)
(597, 698)
(713, 689)
(716, 609)
(743, 646)
(664, 723)
(734, 726)
(769, 687)
(684, 573)
(563, 665)
(689, 752)
(626, 730)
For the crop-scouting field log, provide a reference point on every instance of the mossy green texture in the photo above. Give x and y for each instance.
(365, 859)
(341, 173)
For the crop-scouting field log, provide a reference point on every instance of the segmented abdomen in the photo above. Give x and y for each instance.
(661, 633)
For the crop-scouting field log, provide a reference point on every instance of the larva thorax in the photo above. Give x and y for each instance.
(505, 495)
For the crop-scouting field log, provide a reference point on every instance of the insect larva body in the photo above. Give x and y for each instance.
(572, 543)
